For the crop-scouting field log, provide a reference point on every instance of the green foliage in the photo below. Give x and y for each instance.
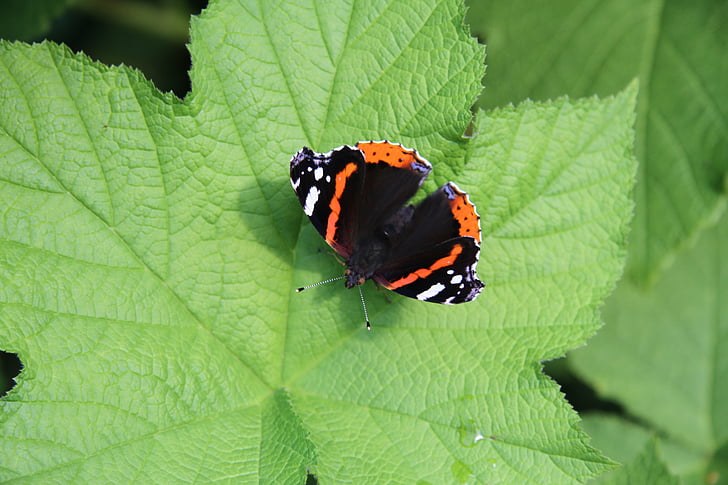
(646, 468)
(677, 50)
(684, 320)
(28, 19)
(661, 352)
(624, 440)
(149, 248)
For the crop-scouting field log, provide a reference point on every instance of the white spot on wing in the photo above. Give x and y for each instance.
(433, 290)
(318, 173)
(456, 279)
(311, 199)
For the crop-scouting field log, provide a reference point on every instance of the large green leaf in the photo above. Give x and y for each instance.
(663, 354)
(150, 247)
(677, 49)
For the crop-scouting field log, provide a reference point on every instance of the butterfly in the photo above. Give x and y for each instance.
(357, 199)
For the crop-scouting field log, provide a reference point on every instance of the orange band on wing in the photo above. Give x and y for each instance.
(464, 212)
(334, 205)
(392, 154)
(425, 272)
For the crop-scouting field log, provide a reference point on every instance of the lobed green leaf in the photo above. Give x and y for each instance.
(150, 246)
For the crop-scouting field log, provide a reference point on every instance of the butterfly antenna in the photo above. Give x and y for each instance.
(298, 290)
(361, 295)
(364, 305)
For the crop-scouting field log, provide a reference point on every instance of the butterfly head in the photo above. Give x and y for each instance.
(354, 278)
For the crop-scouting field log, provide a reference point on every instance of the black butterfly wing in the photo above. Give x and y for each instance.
(393, 176)
(434, 257)
(440, 274)
(329, 187)
(349, 192)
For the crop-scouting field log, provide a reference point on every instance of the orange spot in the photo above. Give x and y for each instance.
(425, 272)
(390, 153)
(334, 205)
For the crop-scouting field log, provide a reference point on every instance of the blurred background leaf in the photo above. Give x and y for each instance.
(29, 19)
(677, 50)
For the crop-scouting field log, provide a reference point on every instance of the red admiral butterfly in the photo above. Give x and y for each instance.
(355, 197)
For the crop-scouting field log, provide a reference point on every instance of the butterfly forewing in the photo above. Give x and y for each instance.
(329, 187)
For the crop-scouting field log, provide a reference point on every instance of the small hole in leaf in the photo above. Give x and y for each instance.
(10, 367)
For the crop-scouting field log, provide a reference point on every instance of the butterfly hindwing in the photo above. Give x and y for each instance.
(444, 273)
(437, 251)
